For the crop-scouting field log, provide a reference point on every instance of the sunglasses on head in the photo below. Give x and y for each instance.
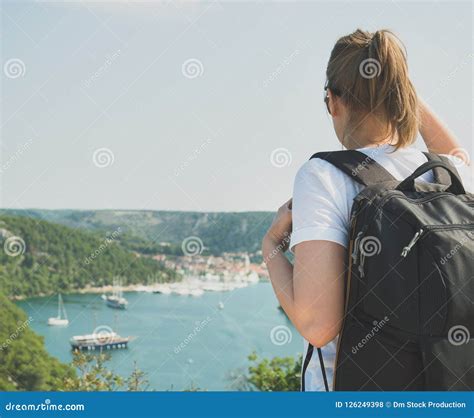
(326, 97)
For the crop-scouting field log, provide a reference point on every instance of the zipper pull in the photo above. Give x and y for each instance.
(361, 265)
(355, 252)
(410, 245)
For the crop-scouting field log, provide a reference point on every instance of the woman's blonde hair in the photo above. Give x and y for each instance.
(369, 72)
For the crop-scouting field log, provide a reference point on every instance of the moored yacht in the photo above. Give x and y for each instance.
(99, 341)
(61, 319)
(116, 299)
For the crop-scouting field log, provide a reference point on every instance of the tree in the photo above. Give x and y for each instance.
(45, 257)
(275, 375)
(24, 362)
(94, 376)
(136, 381)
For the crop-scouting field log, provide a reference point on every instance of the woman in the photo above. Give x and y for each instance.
(374, 109)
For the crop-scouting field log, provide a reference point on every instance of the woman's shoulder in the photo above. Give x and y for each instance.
(319, 176)
(319, 173)
(318, 168)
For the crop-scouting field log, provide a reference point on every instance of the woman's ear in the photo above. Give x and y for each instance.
(334, 105)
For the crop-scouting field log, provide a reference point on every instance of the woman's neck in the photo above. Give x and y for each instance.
(367, 142)
(368, 135)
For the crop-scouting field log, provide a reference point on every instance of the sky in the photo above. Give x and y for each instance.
(196, 106)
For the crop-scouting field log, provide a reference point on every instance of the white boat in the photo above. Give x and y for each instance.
(196, 292)
(116, 300)
(61, 319)
(212, 287)
(102, 340)
(183, 291)
(220, 305)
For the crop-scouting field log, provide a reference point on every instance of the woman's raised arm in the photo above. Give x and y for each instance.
(438, 138)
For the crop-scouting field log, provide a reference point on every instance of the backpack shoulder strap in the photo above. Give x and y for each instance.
(357, 165)
(441, 176)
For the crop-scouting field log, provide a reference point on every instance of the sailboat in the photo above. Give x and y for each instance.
(116, 299)
(61, 319)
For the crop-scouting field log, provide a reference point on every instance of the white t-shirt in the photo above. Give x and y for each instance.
(322, 201)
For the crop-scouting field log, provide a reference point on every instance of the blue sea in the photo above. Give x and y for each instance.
(182, 342)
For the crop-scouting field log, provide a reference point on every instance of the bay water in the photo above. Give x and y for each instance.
(182, 342)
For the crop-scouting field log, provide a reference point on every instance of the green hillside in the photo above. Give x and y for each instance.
(40, 257)
(24, 362)
(219, 231)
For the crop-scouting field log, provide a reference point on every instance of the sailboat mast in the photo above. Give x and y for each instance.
(64, 308)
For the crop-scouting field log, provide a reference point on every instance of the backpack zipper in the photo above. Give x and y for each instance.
(392, 195)
(356, 251)
(361, 266)
(410, 245)
(429, 228)
(359, 261)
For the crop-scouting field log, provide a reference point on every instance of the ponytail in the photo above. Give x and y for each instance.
(369, 72)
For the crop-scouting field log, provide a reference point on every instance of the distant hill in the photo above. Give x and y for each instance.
(41, 257)
(219, 231)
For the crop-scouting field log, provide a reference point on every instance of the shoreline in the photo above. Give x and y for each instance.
(138, 287)
(91, 290)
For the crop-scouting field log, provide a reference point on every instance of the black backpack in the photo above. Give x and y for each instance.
(409, 287)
